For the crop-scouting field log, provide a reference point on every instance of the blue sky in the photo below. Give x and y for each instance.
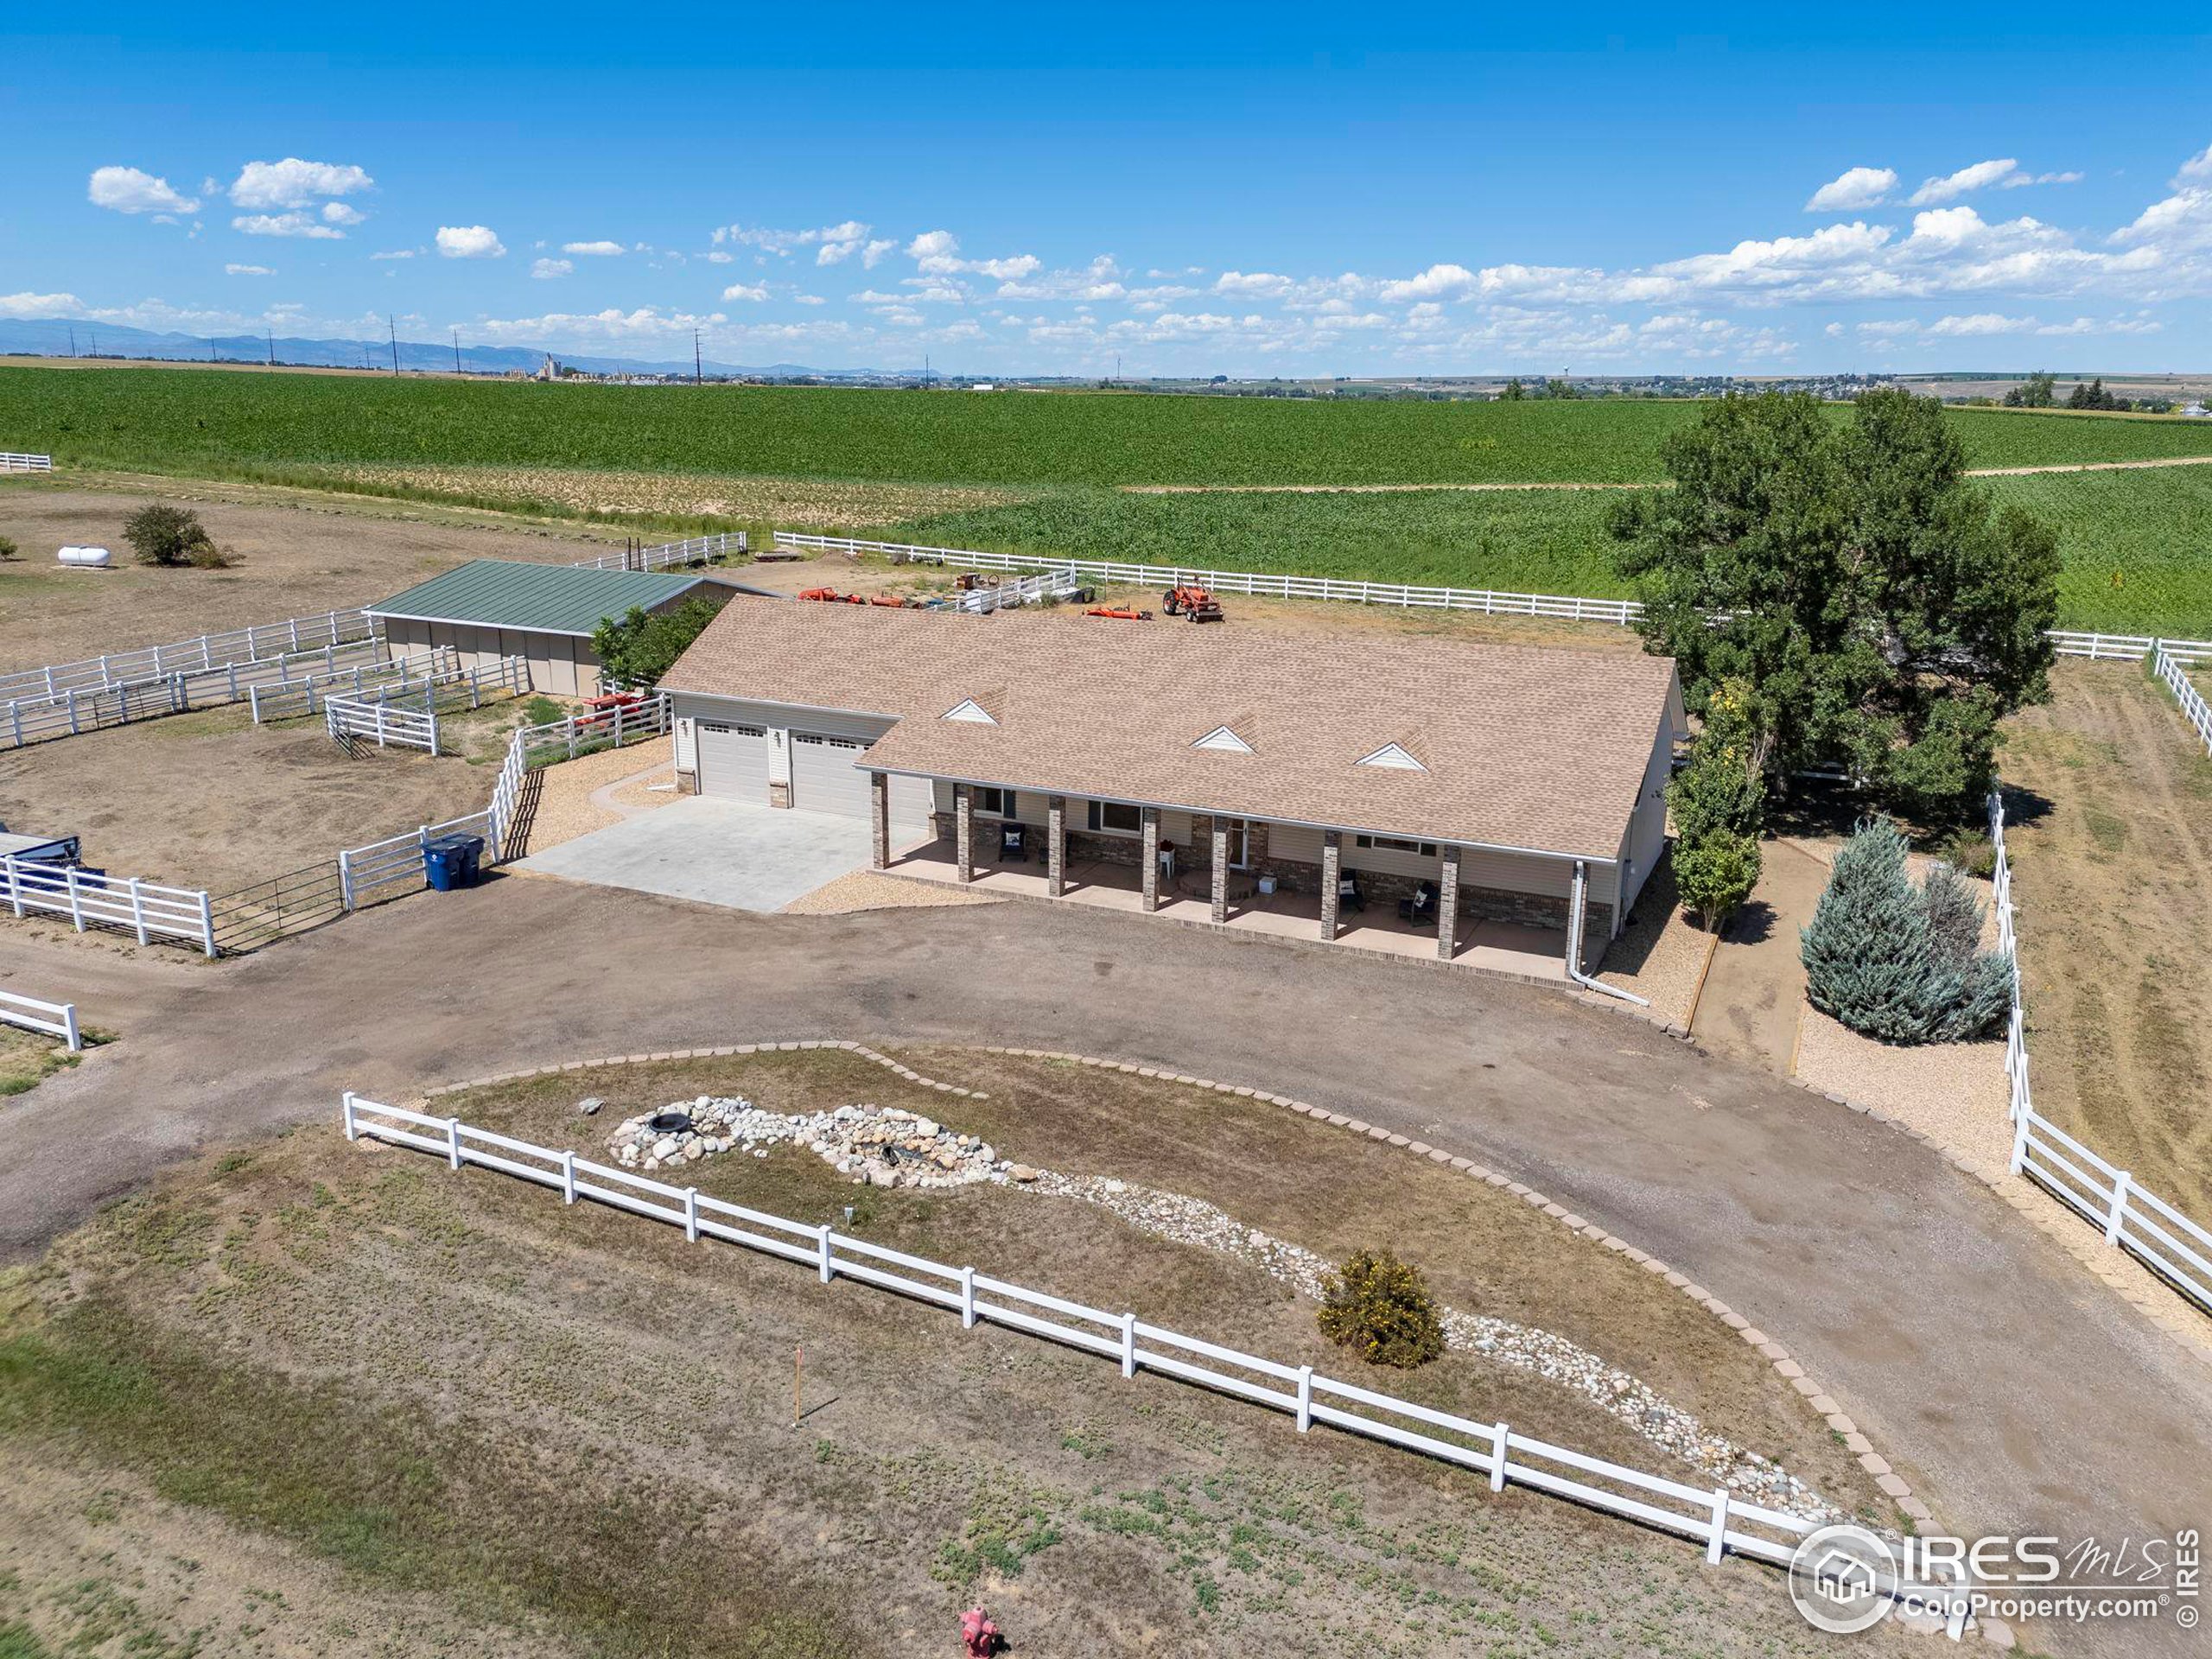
(1241, 190)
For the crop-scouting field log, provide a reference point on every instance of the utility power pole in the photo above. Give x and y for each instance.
(272, 348)
(456, 350)
(392, 328)
(698, 377)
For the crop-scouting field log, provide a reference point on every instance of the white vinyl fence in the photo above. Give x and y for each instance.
(2107, 1197)
(669, 555)
(38, 719)
(292, 699)
(13, 462)
(1715, 1519)
(149, 912)
(2170, 662)
(532, 746)
(378, 720)
(55, 1019)
(1023, 590)
(366, 873)
(209, 651)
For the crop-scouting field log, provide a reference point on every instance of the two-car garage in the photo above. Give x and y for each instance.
(806, 759)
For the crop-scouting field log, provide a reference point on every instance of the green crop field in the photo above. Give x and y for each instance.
(188, 421)
(2137, 545)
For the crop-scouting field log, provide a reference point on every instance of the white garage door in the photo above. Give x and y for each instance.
(733, 760)
(824, 775)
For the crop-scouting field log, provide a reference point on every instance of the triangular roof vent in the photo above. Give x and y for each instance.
(1222, 739)
(969, 712)
(1395, 757)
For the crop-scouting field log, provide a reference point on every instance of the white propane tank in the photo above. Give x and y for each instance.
(93, 558)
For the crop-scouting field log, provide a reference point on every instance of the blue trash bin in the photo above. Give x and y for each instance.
(440, 863)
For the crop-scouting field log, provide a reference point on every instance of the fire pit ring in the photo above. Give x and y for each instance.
(669, 1122)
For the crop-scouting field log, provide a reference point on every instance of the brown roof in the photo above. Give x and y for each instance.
(1522, 747)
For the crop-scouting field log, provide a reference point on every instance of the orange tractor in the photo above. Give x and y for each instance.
(1188, 598)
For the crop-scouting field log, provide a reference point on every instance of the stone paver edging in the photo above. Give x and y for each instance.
(1887, 1479)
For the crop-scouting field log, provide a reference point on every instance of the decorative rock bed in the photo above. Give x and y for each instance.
(883, 1146)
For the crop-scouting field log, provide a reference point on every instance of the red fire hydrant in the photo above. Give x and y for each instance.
(980, 1635)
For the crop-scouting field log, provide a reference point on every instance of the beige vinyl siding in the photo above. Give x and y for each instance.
(1646, 840)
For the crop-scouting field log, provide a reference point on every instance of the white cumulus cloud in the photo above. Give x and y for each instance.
(2198, 166)
(741, 291)
(248, 271)
(546, 270)
(470, 242)
(294, 183)
(1433, 283)
(39, 305)
(1854, 188)
(1252, 284)
(127, 190)
(2005, 174)
(295, 224)
(596, 250)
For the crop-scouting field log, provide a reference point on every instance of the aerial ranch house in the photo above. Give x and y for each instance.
(1212, 770)
(488, 609)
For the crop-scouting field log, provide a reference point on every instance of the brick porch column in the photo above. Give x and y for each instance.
(1448, 905)
(1148, 856)
(1056, 844)
(1333, 865)
(1220, 871)
(963, 833)
(878, 815)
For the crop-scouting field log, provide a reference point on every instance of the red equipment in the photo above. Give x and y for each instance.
(831, 596)
(607, 700)
(979, 1635)
(1128, 613)
(1191, 600)
(892, 601)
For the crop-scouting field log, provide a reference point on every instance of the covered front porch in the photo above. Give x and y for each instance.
(1317, 905)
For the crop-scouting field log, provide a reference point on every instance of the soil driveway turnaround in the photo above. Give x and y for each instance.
(2017, 1393)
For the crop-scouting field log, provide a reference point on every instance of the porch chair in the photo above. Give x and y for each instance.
(1348, 897)
(1013, 843)
(1420, 907)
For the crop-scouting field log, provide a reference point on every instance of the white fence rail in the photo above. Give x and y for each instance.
(292, 699)
(669, 555)
(1023, 590)
(2107, 1197)
(564, 739)
(56, 1019)
(209, 651)
(118, 903)
(2170, 666)
(1714, 1519)
(1261, 584)
(348, 721)
(13, 462)
(363, 871)
(38, 718)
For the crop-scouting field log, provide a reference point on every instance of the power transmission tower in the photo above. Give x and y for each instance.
(456, 350)
(698, 377)
(392, 328)
(272, 348)
(72, 340)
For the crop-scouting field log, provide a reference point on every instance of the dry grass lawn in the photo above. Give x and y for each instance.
(570, 1420)
(2110, 802)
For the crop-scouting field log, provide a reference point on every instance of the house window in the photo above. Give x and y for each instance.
(1392, 845)
(1116, 817)
(1000, 803)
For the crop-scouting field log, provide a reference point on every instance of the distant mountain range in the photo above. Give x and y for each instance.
(54, 337)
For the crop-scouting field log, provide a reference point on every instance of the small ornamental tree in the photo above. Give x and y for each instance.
(163, 535)
(1381, 1307)
(1900, 962)
(1718, 802)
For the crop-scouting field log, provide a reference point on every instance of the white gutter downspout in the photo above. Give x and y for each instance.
(1575, 923)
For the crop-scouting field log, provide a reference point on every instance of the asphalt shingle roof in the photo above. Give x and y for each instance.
(1521, 746)
(542, 598)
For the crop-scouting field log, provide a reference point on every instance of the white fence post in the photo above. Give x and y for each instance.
(966, 1298)
(1498, 1437)
(1305, 1398)
(137, 912)
(2118, 1216)
(691, 1214)
(70, 1033)
(346, 1108)
(76, 904)
(15, 885)
(569, 1178)
(207, 925)
(345, 879)
(1128, 1344)
(452, 1142)
(2021, 1117)
(822, 1238)
(1717, 1544)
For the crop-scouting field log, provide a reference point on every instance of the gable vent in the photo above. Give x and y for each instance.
(969, 712)
(1222, 739)
(1395, 757)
